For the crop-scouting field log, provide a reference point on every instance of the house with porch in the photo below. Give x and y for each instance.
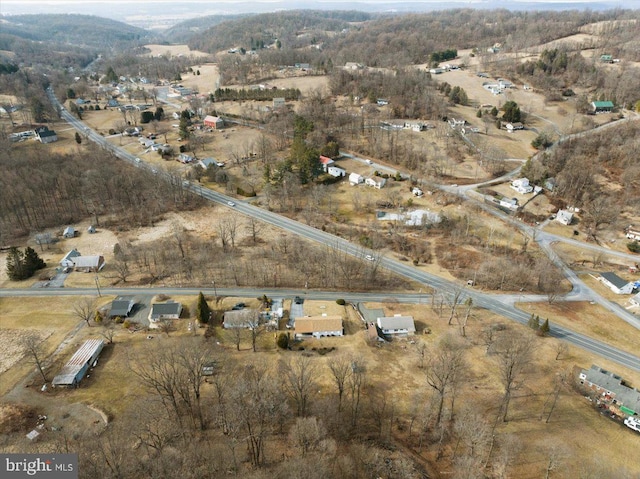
(376, 182)
(397, 325)
(318, 326)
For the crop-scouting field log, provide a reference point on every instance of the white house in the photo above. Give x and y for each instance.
(616, 284)
(417, 191)
(336, 172)
(163, 311)
(318, 326)
(633, 233)
(436, 71)
(355, 179)
(522, 186)
(67, 261)
(376, 182)
(511, 127)
(397, 324)
(565, 217)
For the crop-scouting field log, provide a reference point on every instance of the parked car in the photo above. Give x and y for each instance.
(231, 203)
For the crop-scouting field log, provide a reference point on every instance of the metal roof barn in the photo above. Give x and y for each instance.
(75, 369)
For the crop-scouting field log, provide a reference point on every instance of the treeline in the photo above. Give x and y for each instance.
(444, 55)
(40, 189)
(225, 94)
(31, 53)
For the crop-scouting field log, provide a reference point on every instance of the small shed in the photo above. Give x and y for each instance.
(85, 357)
(69, 232)
(91, 229)
(601, 106)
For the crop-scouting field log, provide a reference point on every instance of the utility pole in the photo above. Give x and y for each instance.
(98, 285)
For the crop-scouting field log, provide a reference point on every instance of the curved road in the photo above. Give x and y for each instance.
(490, 302)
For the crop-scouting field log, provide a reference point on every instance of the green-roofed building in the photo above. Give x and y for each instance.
(606, 58)
(601, 106)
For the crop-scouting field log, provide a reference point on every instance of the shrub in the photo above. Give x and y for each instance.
(633, 246)
(283, 341)
(341, 302)
(126, 324)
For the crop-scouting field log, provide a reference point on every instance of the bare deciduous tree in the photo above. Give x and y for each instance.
(307, 433)
(85, 309)
(340, 368)
(33, 347)
(443, 368)
(513, 356)
(299, 381)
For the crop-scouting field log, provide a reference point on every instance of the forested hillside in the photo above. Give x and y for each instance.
(183, 32)
(77, 30)
(293, 29)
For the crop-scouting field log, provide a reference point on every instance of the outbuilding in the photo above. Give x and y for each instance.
(617, 284)
(601, 106)
(214, 122)
(85, 357)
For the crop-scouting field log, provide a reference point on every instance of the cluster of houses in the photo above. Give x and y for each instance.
(328, 166)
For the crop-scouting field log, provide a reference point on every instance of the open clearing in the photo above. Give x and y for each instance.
(174, 50)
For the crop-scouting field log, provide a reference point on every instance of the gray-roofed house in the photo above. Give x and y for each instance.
(45, 135)
(162, 312)
(67, 261)
(85, 357)
(69, 232)
(613, 388)
(398, 325)
(121, 307)
(616, 284)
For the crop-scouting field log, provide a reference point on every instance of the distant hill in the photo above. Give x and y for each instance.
(292, 28)
(183, 31)
(76, 30)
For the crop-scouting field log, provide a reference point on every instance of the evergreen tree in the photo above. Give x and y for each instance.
(15, 264)
(32, 261)
(78, 138)
(511, 112)
(545, 328)
(203, 312)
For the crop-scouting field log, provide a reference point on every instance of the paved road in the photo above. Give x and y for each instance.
(489, 302)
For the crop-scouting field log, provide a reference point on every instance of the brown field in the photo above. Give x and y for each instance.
(174, 50)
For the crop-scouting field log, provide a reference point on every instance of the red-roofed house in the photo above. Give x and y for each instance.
(326, 162)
